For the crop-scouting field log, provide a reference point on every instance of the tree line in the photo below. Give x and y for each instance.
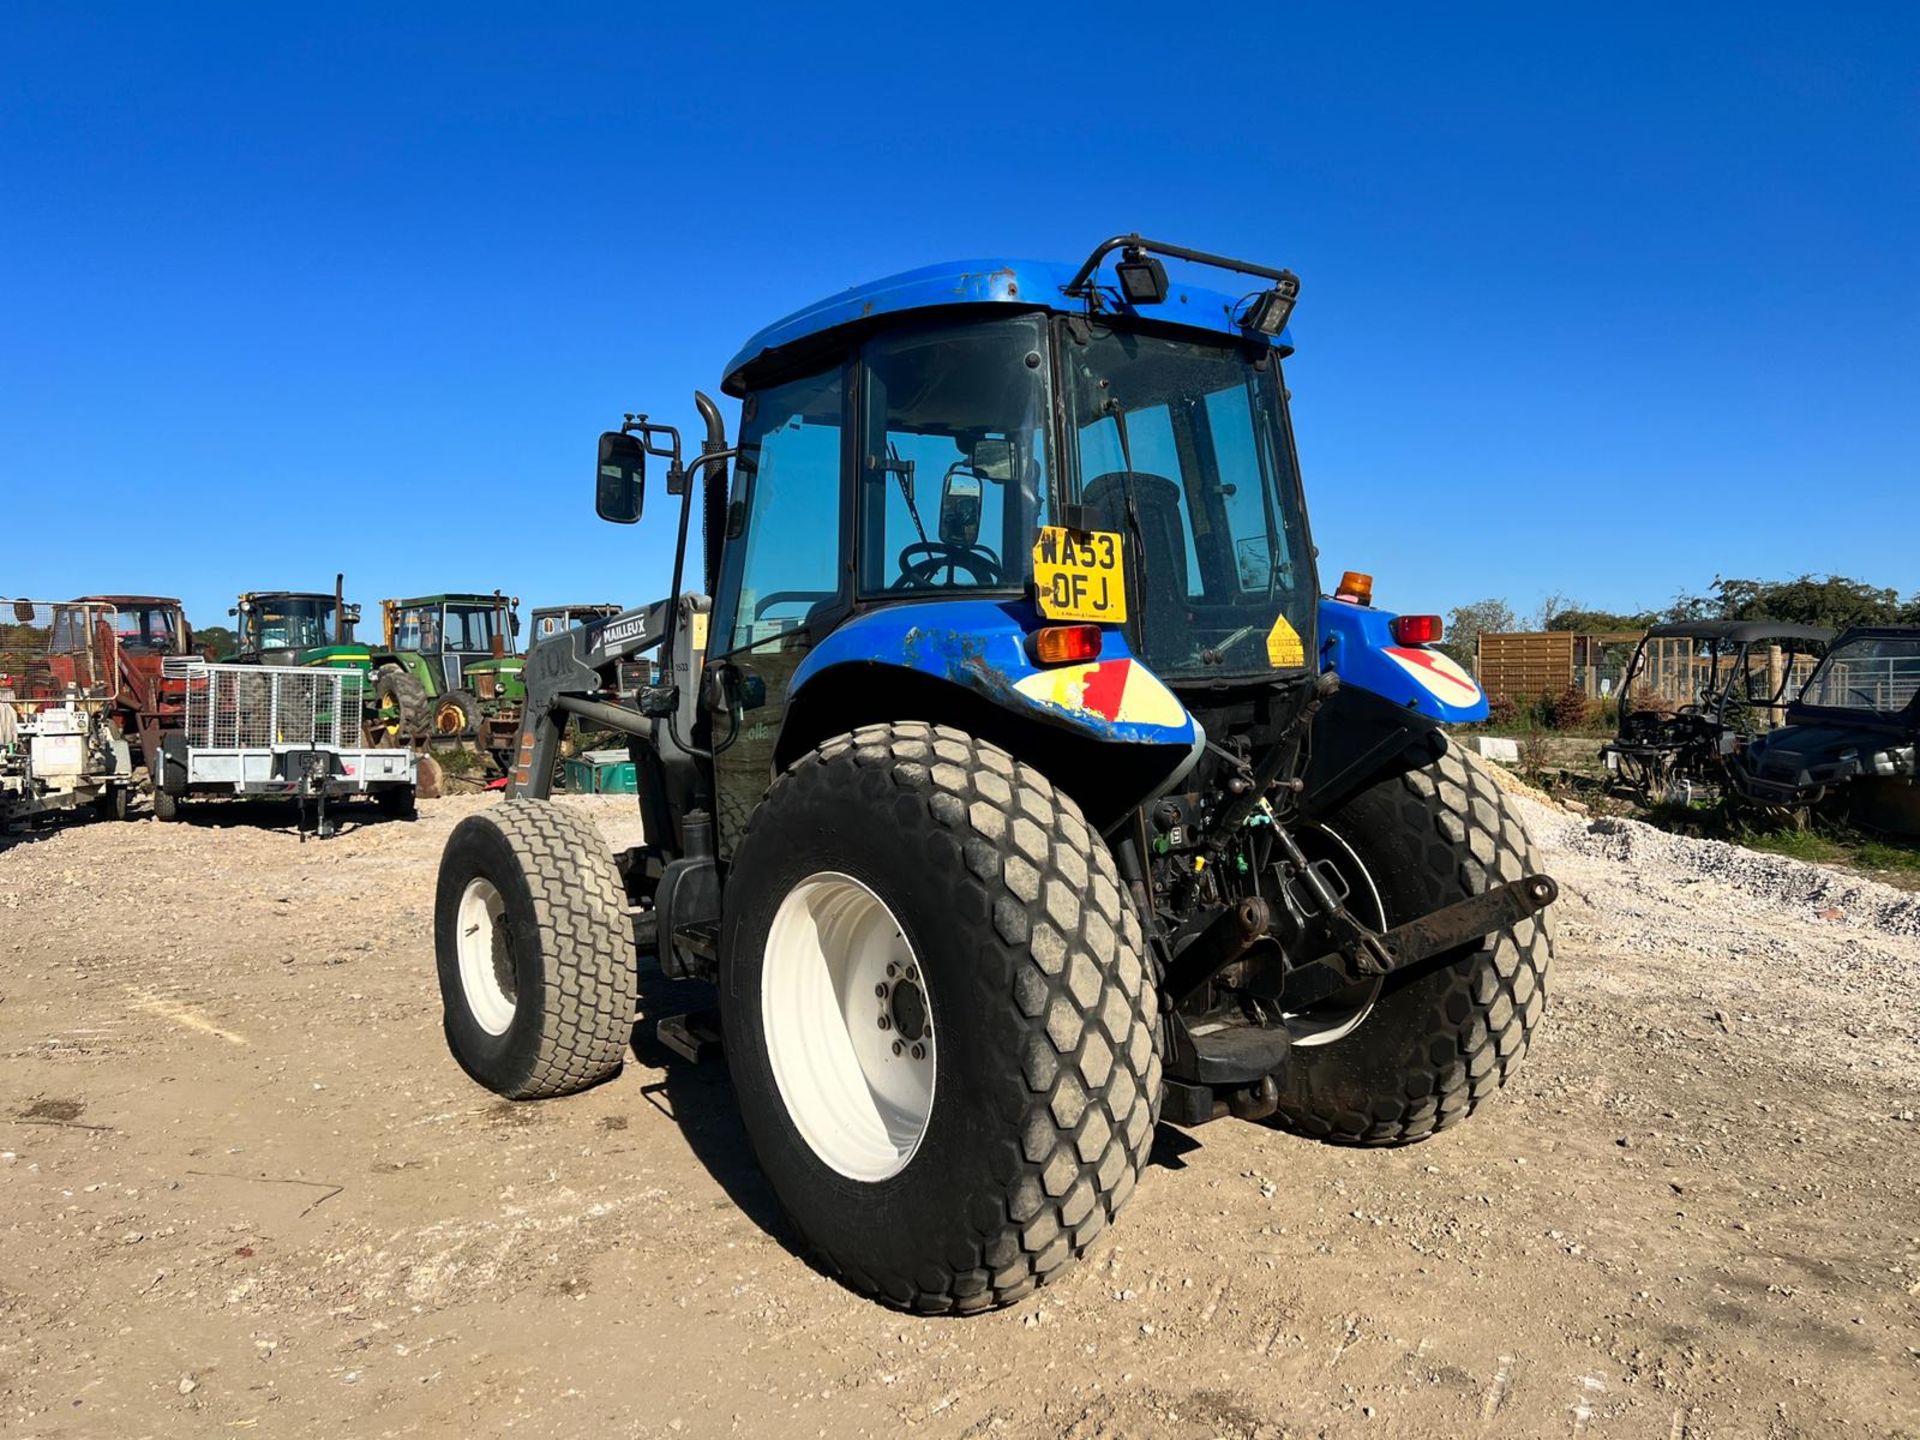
(1831, 600)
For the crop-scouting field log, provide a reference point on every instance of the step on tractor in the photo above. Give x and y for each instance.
(461, 648)
(312, 628)
(1735, 676)
(60, 750)
(1007, 779)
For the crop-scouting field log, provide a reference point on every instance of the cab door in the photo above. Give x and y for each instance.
(783, 574)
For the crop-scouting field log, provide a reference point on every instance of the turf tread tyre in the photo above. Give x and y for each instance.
(1047, 960)
(1446, 1038)
(577, 980)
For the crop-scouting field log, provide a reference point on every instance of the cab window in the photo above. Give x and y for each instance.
(783, 555)
(953, 460)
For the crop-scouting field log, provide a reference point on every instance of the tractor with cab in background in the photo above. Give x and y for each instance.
(1008, 778)
(316, 629)
(461, 648)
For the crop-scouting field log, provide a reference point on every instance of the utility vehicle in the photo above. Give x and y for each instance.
(1736, 676)
(309, 628)
(1007, 779)
(461, 649)
(1849, 745)
(59, 683)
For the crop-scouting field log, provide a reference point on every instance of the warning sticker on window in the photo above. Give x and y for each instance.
(1284, 650)
(1080, 575)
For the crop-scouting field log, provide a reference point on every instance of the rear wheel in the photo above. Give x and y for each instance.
(456, 715)
(534, 950)
(1401, 1059)
(939, 1017)
(402, 710)
(111, 803)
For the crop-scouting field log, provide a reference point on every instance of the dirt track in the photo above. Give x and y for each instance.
(245, 1190)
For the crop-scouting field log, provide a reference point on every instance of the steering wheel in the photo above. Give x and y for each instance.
(923, 559)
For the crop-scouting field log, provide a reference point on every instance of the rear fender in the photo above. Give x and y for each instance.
(1356, 643)
(1108, 732)
(1386, 717)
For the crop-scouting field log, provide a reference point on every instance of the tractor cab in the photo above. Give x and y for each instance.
(452, 633)
(288, 627)
(551, 620)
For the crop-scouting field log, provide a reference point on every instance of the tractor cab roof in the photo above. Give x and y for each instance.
(326, 595)
(126, 602)
(1010, 284)
(453, 598)
(1738, 632)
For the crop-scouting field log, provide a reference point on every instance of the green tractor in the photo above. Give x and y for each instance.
(460, 648)
(311, 628)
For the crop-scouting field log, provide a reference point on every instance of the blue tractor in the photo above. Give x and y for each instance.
(1008, 778)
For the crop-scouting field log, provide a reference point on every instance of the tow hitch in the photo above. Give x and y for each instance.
(1407, 945)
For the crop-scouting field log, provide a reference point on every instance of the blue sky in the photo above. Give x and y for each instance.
(1599, 300)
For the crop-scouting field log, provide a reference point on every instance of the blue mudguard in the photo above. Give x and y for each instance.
(981, 645)
(1357, 644)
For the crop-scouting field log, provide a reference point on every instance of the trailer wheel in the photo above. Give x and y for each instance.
(1435, 1043)
(402, 710)
(534, 950)
(456, 715)
(166, 807)
(939, 1016)
(111, 803)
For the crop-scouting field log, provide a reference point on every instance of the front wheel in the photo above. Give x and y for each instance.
(530, 932)
(939, 1017)
(1420, 1051)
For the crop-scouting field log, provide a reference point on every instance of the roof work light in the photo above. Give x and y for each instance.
(1271, 309)
(1143, 279)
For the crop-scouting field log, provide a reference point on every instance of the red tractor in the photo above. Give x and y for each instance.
(151, 627)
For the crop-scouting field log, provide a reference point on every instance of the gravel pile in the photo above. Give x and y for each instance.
(1657, 859)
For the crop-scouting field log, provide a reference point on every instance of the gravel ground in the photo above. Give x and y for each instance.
(244, 1189)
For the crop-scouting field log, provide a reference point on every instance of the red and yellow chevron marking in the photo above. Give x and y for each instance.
(1115, 690)
(1437, 673)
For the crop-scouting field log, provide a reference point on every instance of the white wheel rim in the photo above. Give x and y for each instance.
(1325, 1023)
(486, 957)
(849, 1029)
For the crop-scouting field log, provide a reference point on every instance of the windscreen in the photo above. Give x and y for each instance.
(1183, 450)
(954, 467)
(291, 624)
(1877, 673)
(471, 628)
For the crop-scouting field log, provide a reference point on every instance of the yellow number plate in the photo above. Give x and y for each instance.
(1080, 575)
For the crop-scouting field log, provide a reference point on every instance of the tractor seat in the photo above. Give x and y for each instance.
(1163, 543)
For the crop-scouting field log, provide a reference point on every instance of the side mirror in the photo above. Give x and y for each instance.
(620, 487)
(351, 614)
(960, 499)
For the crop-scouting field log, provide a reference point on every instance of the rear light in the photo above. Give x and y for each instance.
(1356, 588)
(1417, 629)
(1058, 644)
